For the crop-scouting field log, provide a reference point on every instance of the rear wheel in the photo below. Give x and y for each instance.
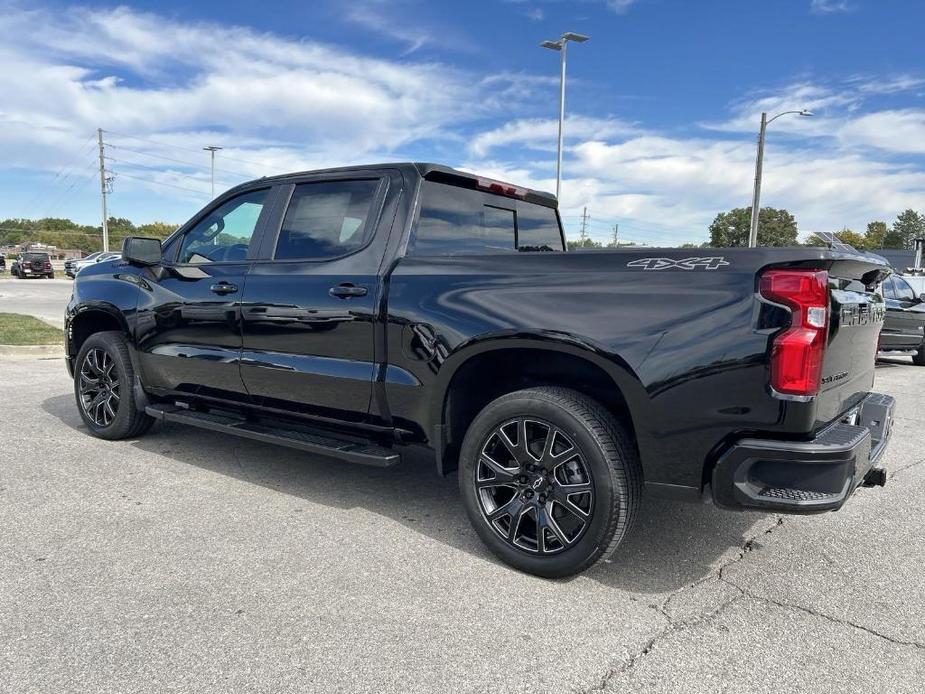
(103, 379)
(550, 480)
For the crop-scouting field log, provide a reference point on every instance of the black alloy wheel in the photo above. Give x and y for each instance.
(104, 380)
(534, 489)
(550, 480)
(99, 387)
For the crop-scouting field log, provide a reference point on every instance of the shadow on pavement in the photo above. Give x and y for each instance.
(672, 544)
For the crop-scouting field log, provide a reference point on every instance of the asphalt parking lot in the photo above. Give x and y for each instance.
(41, 298)
(189, 561)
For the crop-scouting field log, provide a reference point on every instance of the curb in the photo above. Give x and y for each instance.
(15, 352)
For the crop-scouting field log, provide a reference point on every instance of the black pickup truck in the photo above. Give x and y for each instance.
(368, 313)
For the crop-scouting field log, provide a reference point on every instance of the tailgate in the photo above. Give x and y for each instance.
(855, 318)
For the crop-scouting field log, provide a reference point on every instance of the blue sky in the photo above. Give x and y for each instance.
(663, 102)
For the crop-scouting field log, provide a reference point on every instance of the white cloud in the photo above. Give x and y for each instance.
(541, 134)
(900, 131)
(285, 104)
(619, 6)
(831, 6)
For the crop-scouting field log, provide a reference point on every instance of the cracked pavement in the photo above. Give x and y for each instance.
(189, 561)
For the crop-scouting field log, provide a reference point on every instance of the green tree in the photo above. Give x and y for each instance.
(775, 228)
(908, 227)
(873, 237)
(157, 230)
(584, 243)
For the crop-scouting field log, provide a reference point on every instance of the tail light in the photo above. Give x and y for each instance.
(796, 355)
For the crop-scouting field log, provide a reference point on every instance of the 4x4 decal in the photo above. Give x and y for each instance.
(708, 263)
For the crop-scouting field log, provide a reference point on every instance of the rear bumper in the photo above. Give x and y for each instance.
(807, 476)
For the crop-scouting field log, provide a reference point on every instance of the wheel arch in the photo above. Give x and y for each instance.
(93, 317)
(482, 371)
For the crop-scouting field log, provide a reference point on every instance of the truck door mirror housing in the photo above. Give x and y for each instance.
(142, 251)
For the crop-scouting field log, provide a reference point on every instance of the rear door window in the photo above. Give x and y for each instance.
(461, 221)
(326, 220)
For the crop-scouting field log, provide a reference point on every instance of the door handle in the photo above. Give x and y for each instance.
(346, 290)
(223, 288)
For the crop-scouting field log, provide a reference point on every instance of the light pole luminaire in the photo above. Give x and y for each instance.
(759, 160)
(212, 149)
(561, 46)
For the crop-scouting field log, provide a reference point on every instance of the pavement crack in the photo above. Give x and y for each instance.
(822, 615)
(905, 467)
(672, 626)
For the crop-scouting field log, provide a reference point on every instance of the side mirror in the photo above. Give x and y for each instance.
(922, 298)
(142, 251)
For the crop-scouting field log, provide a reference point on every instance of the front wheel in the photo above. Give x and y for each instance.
(550, 480)
(919, 357)
(103, 378)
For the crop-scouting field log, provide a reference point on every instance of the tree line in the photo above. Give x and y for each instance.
(779, 228)
(68, 235)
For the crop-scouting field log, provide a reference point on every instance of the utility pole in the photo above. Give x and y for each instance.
(213, 149)
(756, 196)
(616, 229)
(585, 219)
(99, 133)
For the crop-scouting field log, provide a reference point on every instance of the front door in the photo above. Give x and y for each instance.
(189, 322)
(309, 308)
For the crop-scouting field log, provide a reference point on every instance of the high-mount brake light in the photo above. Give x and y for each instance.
(797, 352)
(500, 188)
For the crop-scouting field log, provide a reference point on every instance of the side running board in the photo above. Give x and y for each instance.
(305, 439)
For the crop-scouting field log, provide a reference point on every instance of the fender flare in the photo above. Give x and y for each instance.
(622, 376)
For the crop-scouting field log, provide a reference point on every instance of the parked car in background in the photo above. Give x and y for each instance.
(2, 263)
(70, 265)
(371, 313)
(31, 264)
(904, 326)
(93, 258)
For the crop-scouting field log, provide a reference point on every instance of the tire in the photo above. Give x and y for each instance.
(919, 357)
(108, 408)
(585, 482)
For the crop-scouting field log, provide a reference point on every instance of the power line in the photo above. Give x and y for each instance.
(78, 184)
(160, 183)
(176, 161)
(70, 168)
(186, 149)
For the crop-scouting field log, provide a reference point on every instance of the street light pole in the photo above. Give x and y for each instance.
(212, 149)
(759, 162)
(562, 46)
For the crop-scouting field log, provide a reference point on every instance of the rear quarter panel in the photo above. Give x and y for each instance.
(682, 345)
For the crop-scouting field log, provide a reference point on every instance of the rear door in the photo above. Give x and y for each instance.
(189, 319)
(902, 328)
(311, 303)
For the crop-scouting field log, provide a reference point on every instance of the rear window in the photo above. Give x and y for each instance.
(35, 256)
(460, 221)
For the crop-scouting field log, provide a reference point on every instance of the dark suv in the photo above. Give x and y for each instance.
(32, 265)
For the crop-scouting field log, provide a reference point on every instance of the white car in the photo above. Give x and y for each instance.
(94, 258)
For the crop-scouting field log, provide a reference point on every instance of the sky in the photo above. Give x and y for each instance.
(663, 103)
